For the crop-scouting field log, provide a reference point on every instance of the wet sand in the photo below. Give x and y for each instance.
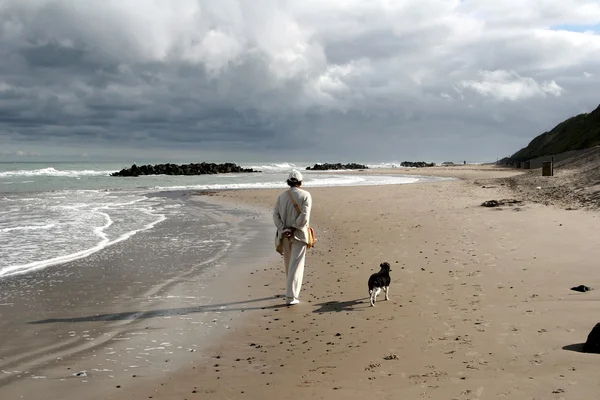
(136, 311)
(480, 303)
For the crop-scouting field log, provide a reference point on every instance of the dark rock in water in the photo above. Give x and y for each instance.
(185, 169)
(581, 288)
(337, 166)
(592, 344)
(416, 164)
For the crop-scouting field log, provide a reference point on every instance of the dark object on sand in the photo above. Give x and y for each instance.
(337, 166)
(581, 288)
(491, 203)
(497, 203)
(592, 344)
(548, 168)
(416, 164)
(184, 169)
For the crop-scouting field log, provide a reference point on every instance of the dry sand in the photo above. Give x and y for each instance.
(480, 303)
(575, 184)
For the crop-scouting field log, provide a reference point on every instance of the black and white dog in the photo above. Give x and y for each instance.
(380, 280)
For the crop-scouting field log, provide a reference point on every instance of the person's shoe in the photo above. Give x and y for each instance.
(292, 302)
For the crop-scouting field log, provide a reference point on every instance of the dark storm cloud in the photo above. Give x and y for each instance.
(52, 55)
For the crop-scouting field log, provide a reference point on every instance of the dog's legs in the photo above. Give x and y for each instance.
(387, 292)
(375, 294)
(371, 295)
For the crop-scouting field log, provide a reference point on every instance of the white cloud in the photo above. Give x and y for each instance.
(508, 85)
(216, 49)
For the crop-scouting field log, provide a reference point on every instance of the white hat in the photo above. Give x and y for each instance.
(295, 176)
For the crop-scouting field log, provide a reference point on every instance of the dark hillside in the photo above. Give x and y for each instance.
(576, 133)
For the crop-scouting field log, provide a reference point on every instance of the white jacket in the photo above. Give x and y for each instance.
(286, 216)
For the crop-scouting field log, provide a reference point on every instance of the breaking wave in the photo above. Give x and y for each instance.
(50, 171)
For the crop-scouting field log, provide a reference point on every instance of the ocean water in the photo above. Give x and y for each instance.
(52, 213)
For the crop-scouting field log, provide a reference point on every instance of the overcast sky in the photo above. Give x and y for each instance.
(336, 80)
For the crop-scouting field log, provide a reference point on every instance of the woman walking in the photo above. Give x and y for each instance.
(292, 216)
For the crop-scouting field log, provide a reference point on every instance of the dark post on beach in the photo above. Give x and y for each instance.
(547, 168)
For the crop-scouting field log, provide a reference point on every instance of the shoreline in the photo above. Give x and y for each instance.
(99, 329)
(480, 302)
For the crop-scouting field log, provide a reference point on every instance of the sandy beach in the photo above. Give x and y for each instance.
(146, 145)
(480, 306)
(480, 303)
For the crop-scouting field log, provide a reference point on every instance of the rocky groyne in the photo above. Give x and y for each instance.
(184, 169)
(337, 166)
(416, 164)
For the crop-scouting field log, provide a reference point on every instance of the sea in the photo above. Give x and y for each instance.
(54, 213)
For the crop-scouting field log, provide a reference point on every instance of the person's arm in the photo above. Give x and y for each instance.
(277, 217)
(304, 217)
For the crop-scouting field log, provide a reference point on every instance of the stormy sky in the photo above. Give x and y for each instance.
(336, 80)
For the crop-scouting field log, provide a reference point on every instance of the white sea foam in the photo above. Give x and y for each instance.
(321, 181)
(384, 165)
(27, 228)
(19, 199)
(105, 242)
(50, 171)
(50, 232)
(276, 167)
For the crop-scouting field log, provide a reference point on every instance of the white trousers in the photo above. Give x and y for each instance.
(294, 254)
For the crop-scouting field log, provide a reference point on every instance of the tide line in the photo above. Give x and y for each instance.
(37, 265)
